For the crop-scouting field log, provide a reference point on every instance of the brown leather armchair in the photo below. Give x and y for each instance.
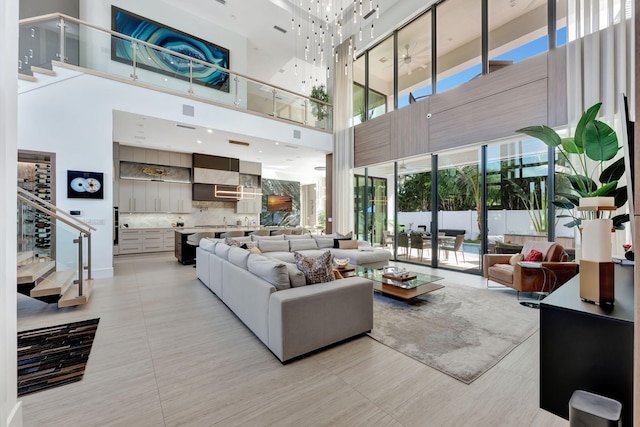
(548, 275)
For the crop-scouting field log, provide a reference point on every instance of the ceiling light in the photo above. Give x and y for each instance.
(199, 142)
(185, 126)
(209, 131)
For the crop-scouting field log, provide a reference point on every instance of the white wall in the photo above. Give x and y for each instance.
(73, 118)
(10, 408)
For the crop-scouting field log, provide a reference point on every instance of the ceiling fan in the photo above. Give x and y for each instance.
(410, 60)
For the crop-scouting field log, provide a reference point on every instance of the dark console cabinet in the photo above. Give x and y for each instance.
(585, 347)
(185, 252)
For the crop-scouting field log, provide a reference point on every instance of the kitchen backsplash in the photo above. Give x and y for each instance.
(211, 216)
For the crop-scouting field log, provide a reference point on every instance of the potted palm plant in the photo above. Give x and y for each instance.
(593, 144)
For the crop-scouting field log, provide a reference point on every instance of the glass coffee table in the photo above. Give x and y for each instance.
(422, 284)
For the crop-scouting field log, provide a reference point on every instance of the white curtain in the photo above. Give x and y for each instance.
(600, 49)
(342, 188)
(600, 68)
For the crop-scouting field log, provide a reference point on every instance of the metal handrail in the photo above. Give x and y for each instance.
(171, 52)
(53, 214)
(56, 209)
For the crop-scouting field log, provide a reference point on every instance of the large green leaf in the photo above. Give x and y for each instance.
(613, 172)
(543, 133)
(583, 185)
(620, 195)
(570, 197)
(587, 117)
(563, 204)
(618, 220)
(569, 145)
(575, 223)
(601, 142)
(606, 190)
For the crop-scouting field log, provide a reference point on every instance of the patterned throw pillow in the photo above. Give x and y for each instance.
(316, 270)
(349, 235)
(232, 242)
(533, 255)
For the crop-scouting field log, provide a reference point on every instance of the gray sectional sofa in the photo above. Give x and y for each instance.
(272, 299)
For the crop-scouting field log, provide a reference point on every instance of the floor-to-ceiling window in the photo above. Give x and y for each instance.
(370, 205)
(381, 78)
(460, 209)
(458, 42)
(517, 31)
(414, 60)
(359, 84)
(561, 22)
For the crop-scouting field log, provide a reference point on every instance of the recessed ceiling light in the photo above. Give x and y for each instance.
(209, 131)
(277, 143)
(199, 142)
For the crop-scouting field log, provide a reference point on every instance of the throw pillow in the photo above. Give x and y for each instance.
(515, 258)
(316, 270)
(533, 255)
(324, 242)
(232, 242)
(302, 244)
(348, 244)
(255, 250)
(349, 235)
(336, 241)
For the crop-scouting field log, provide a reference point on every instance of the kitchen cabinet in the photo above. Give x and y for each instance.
(179, 197)
(137, 241)
(157, 196)
(130, 242)
(250, 168)
(250, 206)
(132, 196)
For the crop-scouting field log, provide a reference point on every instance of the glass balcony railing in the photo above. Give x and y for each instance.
(68, 40)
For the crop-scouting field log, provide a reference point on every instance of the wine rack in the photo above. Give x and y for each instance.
(34, 227)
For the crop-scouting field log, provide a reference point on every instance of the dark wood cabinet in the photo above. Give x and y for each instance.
(586, 347)
(184, 252)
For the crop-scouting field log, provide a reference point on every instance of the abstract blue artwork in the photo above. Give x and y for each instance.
(163, 62)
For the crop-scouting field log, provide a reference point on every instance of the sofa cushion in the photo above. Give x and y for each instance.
(269, 270)
(284, 256)
(297, 236)
(238, 256)
(223, 251)
(501, 272)
(347, 244)
(316, 270)
(515, 258)
(273, 245)
(277, 237)
(534, 255)
(208, 245)
(349, 235)
(324, 242)
(296, 277)
(302, 244)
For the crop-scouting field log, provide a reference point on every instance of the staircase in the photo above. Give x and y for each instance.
(61, 273)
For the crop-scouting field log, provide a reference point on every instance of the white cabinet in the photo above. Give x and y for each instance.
(126, 153)
(144, 241)
(179, 197)
(249, 206)
(180, 159)
(130, 242)
(168, 241)
(132, 196)
(250, 168)
(157, 196)
(152, 240)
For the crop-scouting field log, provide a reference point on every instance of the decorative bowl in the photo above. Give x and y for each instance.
(341, 263)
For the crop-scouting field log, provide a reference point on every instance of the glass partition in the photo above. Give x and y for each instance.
(459, 209)
(518, 195)
(381, 78)
(517, 32)
(415, 210)
(371, 206)
(459, 52)
(414, 61)
(101, 50)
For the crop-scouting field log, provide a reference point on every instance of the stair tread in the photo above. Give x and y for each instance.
(43, 70)
(26, 77)
(55, 283)
(71, 298)
(24, 256)
(29, 273)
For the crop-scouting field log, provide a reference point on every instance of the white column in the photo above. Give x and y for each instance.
(343, 142)
(10, 409)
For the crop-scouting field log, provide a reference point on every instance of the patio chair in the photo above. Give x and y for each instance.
(420, 243)
(403, 242)
(455, 247)
(388, 238)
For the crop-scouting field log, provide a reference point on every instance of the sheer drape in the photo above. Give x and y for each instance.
(599, 55)
(343, 142)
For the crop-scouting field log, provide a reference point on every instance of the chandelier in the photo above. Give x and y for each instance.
(320, 26)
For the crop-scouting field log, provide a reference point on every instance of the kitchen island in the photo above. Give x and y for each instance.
(186, 253)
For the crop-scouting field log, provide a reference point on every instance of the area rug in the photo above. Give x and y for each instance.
(458, 330)
(53, 356)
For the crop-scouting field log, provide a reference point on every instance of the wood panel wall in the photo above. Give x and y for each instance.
(489, 107)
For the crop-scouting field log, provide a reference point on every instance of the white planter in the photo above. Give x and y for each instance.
(596, 240)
